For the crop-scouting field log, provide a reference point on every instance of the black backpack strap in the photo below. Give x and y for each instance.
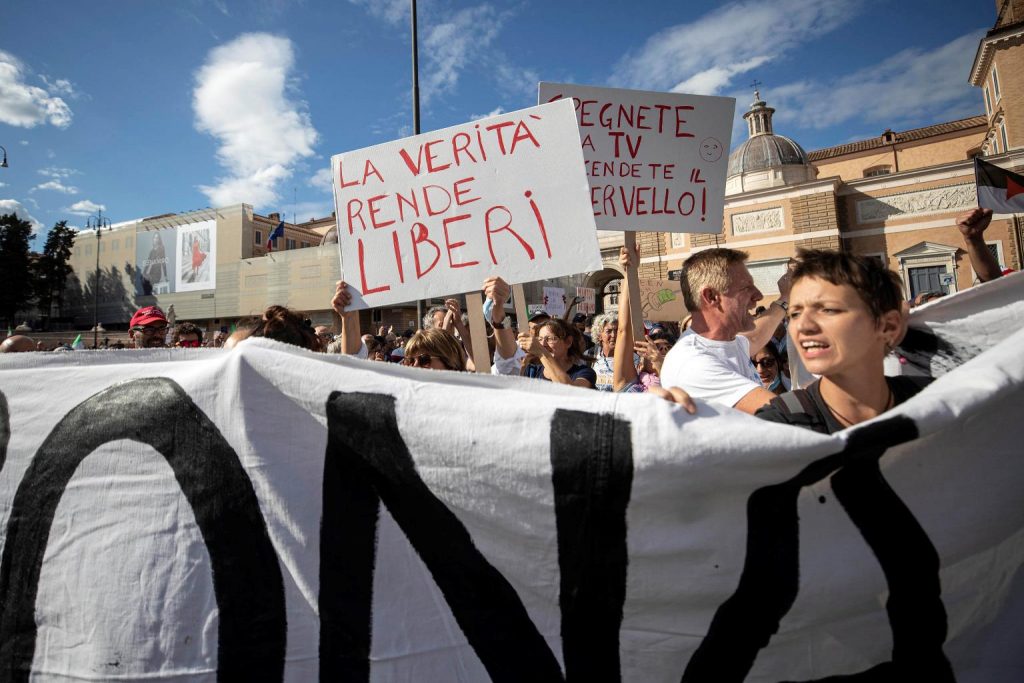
(795, 402)
(800, 410)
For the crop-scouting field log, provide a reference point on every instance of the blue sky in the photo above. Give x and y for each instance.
(145, 108)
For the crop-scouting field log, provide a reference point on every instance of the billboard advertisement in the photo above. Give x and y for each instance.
(180, 258)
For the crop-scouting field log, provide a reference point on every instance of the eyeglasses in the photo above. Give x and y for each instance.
(548, 340)
(189, 343)
(148, 331)
(764, 362)
(422, 360)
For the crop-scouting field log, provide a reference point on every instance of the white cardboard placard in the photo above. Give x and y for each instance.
(554, 301)
(438, 213)
(656, 161)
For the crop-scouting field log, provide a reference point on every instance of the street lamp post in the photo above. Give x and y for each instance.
(416, 112)
(98, 223)
(3, 164)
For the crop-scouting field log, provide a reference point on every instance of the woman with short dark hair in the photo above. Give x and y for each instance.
(845, 315)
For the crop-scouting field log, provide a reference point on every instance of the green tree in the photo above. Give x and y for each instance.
(52, 269)
(15, 267)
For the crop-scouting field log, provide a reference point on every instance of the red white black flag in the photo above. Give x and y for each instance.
(998, 189)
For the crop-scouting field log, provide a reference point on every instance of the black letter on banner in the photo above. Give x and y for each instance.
(911, 566)
(367, 458)
(592, 472)
(5, 429)
(246, 575)
(768, 586)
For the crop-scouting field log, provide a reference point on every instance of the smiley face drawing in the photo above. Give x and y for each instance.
(710, 149)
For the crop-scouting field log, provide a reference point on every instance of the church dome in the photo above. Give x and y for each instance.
(330, 237)
(765, 151)
(766, 160)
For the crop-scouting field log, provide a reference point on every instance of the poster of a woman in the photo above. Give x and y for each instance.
(155, 262)
(197, 256)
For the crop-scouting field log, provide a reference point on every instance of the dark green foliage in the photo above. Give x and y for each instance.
(52, 269)
(16, 282)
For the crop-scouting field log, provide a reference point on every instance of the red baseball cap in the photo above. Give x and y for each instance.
(147, 315)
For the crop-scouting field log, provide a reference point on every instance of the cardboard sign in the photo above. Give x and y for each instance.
(272, 514)
(656, 161)
(440, 212)
(588, 305)
(554, 301)
(662, 300)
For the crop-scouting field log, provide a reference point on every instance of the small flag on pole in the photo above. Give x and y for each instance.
(278, 232)
(998, 189)
(78, 344)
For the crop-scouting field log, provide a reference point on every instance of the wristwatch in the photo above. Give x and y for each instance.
(784, 305)
(498, 324)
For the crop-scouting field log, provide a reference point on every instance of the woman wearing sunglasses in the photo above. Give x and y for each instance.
(435, 349)
(845, 315)
(768, 363)
(556, 346)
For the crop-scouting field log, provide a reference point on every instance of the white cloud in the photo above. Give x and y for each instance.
(56, 186)
(391, 11)
(246, 98)
(711, 81)
(85, 208)
(3, 184)
(24, 142)
(60, 86)
(708, 53)
(58, 172)
(450, 46)
(27, 105)
(515, 80)
(18, 209)
(907, 87)
(322, 179)
(493, 112)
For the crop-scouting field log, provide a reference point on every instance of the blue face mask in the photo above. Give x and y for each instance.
(488, 310)
(776, 383)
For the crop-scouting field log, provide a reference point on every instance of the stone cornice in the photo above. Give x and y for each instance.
(986, 48)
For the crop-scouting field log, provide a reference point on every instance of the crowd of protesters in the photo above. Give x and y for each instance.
(838, 314)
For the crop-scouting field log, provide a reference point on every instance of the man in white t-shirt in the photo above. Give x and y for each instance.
(711, 361)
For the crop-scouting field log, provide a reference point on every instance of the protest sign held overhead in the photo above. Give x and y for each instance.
(588, 303)
(554, 301)
(437, 213)
(656, 161)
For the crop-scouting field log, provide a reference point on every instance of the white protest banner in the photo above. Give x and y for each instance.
(662, 300)
(588, 303)
(554, 301)
(271, 514)
(440, 212)
(656, 161)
